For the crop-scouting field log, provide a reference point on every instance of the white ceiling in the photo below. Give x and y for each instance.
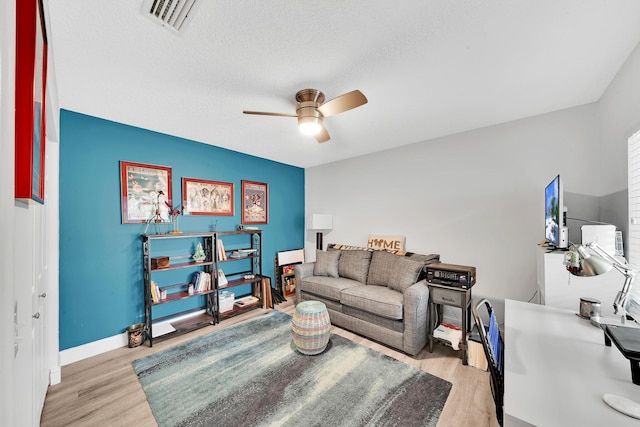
(428, 67)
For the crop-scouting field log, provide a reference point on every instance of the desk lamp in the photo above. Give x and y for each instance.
(591, 260)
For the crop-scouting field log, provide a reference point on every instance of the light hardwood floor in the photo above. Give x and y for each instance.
(104, 390)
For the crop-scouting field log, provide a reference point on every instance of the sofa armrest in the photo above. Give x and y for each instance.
(300, 271)
(416, 310)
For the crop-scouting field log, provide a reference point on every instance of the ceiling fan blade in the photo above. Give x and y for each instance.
(343, 103)
(262, 113)
(323, 135)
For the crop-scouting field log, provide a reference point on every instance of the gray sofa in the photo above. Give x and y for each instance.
(378, 294)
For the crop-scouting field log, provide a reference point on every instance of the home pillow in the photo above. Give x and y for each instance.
(326, 263)
(354, 265)
(404, 273)
(380, 270)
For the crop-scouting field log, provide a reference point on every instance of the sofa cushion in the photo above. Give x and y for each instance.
(404, 273)
(380, 269)
(354, 265)
(378, 300)
(326, 263)
(395, 325)
(425, 259)
(327, 287)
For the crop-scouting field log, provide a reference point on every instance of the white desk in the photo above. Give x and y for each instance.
(556, 369)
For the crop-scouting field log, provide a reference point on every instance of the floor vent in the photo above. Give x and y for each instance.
(171, 14)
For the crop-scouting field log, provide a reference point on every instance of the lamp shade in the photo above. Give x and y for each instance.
(590, 265)
(321, 222)
(595, 266)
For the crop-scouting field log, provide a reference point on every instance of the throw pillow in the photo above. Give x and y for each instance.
(390, 243)
(354, 265)
(404, 273)
(326, 263)
(380, 270)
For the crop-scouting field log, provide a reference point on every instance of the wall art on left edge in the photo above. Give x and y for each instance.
(30, 108)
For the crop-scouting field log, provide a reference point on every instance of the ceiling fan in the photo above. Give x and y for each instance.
(312, 109)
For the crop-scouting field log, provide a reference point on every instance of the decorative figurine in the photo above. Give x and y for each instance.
(199, 255)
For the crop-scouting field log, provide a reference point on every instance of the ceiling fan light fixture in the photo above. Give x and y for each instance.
(310, 125)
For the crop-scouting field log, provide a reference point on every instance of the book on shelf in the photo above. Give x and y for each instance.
(201, 281)
(195, 280)
(222, 279)
(155, 295)
(222, 254)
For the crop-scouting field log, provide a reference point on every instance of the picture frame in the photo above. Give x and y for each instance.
(30, 100)
(255, 202)
(203, 197)
(144, 191)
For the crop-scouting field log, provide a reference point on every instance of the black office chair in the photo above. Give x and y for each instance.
(494, 351)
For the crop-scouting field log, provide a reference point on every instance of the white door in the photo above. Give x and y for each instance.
(31, 376)
(38, 312)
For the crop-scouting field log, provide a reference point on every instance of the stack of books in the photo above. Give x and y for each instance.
(201, 281)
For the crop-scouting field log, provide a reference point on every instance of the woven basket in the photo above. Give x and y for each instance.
(311, 327)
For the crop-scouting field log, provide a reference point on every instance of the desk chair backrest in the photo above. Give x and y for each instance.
(493, 346)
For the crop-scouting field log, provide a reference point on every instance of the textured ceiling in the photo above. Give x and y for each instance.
(428, 67)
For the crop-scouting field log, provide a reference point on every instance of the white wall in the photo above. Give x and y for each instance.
(620, 118)
(25, 262)
(476, 198)
(7, 79)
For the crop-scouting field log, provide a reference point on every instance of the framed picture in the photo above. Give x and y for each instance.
(30, 97)
(145, 189)
(255, 203)
(202, 197)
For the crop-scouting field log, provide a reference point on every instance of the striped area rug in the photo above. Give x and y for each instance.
(250, 374)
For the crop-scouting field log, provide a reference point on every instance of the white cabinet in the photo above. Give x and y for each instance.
(558, 288)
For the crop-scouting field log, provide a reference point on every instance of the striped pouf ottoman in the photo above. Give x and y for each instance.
(311, 327)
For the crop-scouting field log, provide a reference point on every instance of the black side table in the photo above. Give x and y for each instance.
(440, 295)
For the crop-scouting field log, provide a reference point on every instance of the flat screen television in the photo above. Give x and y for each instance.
(553, 213)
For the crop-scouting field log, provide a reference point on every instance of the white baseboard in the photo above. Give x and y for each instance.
(55, 376)
(94, 348)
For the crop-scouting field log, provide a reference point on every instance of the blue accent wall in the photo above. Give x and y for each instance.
(101, 285)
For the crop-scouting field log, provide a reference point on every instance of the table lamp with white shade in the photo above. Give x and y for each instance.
(321, 223)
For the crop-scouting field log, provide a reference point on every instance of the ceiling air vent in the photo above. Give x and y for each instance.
(171, 14)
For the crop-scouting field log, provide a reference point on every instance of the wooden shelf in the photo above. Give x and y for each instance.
(185, 325)
(236, 278)
(180, 295)
(209, 314)
(183, 265)
(177, 262)
(237, 310)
